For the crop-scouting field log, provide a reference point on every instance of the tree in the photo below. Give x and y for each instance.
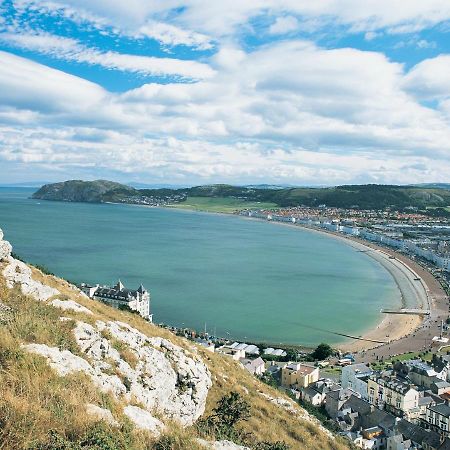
(322, 351)
(291, 355)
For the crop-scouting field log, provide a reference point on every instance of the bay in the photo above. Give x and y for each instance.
(245, 279)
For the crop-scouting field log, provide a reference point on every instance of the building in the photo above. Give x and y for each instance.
(393, 394)
(315, 393)
(235, 353)
(418, 372)
(355, 377)
(275, 352)
(438, 419)
(209, 345)
(249, 349)
(254, 366)
(298, 375)
(121, 298)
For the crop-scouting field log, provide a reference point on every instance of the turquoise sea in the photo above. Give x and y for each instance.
(245, 279)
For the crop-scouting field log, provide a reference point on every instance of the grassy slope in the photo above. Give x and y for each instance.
(221, 204)
(34, 400)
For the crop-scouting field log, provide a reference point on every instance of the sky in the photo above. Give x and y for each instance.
(193, 92)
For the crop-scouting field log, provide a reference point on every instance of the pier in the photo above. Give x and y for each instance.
(414, 312)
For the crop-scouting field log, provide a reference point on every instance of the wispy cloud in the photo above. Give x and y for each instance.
(226, 91)
(72, 50)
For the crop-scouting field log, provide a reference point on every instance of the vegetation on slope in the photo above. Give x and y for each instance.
(40, 410)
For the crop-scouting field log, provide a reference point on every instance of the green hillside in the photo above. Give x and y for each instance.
(370, 196)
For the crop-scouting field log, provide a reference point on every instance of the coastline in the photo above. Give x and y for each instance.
(395, 333)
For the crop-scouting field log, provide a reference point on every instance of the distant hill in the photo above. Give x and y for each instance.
(434, 185)
(80, 191)
(370, 196)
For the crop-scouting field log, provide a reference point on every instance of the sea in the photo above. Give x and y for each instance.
(238, 278)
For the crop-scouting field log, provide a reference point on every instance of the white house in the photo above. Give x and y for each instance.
(355, 377)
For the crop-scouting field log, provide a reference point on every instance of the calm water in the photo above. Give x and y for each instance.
(251, 280)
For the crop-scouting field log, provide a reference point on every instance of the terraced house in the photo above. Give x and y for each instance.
(438, 419)
(394, 395)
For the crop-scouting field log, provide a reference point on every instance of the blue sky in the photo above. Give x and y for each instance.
(192, 92)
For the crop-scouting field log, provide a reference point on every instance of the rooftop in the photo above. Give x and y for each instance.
(442, 409)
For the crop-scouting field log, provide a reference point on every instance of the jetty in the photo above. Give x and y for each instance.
(411, 311)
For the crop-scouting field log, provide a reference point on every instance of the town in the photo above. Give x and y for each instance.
(400, 404)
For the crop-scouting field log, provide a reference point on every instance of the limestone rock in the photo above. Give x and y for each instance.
(70, 305)
(65, 362)
(221, 445)
(101, 414)
(143, 420)
(165, 378)
(18, 272)
(5, 249)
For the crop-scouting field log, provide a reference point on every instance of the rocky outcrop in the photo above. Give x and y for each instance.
(143, 420)
(16, 272)
(101, 414)
(5, 248)
(165, 378)
(65, 362)
(70, 305)
(161, 377)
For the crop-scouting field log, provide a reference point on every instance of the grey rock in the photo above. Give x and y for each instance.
(143, 420)
(70, 305)
(165, 378)
(17, 272)
(101, 414)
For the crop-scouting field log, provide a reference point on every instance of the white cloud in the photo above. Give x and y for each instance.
(296, 112)
(430, 78)
(30, 86)
(284, 25)
(171, 35)
(71, 50)
(187, 160)
(218, 19)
